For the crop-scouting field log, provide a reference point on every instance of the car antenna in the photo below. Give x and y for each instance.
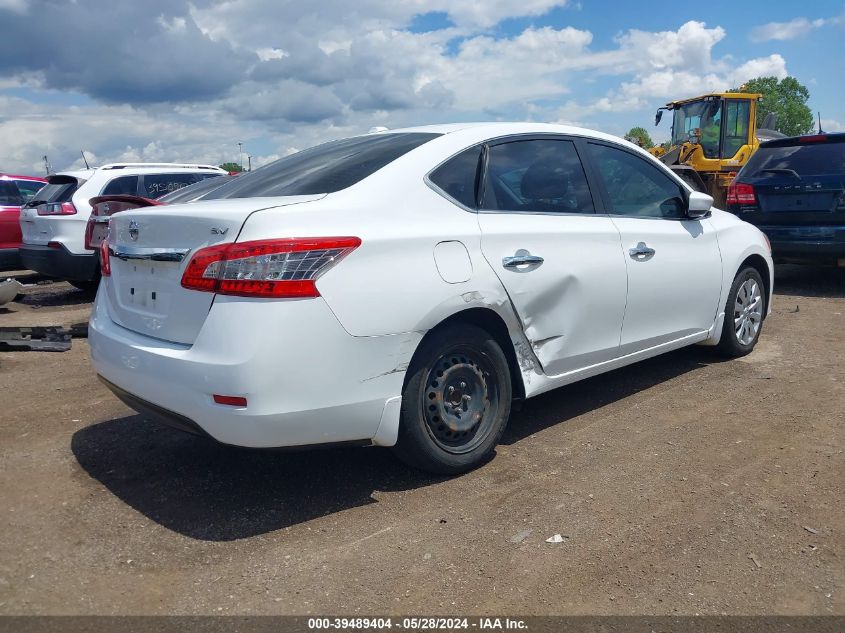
(820, 122)
(87, 166)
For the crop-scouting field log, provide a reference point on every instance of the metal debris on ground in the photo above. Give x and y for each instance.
(9, 289)
(755, 561)
(810, 530)
(520, 536)
(557, 538)
(36, 339)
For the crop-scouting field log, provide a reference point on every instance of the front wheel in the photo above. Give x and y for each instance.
(744, 312)
(456, 401)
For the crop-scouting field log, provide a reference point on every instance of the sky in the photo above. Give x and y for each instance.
(186, 81)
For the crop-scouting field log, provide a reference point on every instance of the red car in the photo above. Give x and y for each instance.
(14, 192)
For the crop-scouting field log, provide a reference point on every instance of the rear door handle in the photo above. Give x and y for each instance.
(521, 258)
(641, 250)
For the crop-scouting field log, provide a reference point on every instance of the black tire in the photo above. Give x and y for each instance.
(729, 343)
(456, 401)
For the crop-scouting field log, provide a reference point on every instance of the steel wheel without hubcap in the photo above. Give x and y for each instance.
(748, 311)
(459, 401)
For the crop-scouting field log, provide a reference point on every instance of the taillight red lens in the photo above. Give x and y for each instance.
(741, 193)
(105, 262)
(89, 232)
(286, 268)
(232, 401)
(57, 208)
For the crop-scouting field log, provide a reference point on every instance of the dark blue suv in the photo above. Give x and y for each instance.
(793, 189)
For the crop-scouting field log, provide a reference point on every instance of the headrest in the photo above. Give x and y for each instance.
(544, 181)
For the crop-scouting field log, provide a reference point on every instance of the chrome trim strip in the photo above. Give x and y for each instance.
(149, 253)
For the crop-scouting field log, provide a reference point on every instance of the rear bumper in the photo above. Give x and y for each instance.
(58, 262)
(808, 243)
(10, 259)
(306, 380)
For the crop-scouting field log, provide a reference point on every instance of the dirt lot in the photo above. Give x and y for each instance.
(684, 485)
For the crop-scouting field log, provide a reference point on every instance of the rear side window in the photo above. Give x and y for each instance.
(157, 185)
(57, 189)
(323, 169)
(536, 176)
(635, 187)
(458, 176)
(123, 185)
(10, 196)
(194, 191)
(28, 188)
(822, 159)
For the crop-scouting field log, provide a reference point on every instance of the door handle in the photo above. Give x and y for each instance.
(521, 258)
(641, 250)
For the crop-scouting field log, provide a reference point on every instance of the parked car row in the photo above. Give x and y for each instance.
(54, 222)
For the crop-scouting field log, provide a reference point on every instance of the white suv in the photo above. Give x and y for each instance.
(53, 222)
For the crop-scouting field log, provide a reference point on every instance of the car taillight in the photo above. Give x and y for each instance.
(813, 138)
(741, 193)
(89, 232)
(57, 208)
(105, 262)
(285, 268)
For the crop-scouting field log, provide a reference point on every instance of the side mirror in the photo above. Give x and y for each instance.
(698, 204)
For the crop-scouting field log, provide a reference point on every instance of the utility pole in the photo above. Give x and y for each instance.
(46, 165)
(241, 155)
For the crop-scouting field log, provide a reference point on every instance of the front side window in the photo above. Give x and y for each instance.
(635, 187)
(125, 185)
(458, 176)
(323, 169)
(539, 175)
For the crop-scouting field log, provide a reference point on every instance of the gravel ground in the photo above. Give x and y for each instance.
(683, 484)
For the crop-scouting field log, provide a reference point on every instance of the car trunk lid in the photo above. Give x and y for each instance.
(150, 249)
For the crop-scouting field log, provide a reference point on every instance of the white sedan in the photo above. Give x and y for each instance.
(403, 288)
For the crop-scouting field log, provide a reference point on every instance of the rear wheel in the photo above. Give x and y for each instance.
(456, 401)
(744, 312)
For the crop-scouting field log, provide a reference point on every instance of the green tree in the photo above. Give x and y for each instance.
(787, 98)
(640, 136)
(232, 167)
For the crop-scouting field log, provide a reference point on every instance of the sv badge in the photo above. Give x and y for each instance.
(217, 231)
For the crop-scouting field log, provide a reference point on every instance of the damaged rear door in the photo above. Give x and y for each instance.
(558, 259)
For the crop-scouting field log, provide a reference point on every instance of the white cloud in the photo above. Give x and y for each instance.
(832, 125)
(15, 6)
(799, 27)
(340, 69)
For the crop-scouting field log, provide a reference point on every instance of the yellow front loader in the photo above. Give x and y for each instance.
(713, 136)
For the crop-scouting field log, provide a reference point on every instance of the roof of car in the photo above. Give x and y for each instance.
(504, 128)
(139, 168)
(789, 141)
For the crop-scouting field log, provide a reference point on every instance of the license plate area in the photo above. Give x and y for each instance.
(146, 286)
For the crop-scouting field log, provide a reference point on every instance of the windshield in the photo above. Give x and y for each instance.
(703, 115)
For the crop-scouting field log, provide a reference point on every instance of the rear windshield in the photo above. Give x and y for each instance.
(58, 189)
(323, 169)
(9, 194)
(805, 160)
(192, 192)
